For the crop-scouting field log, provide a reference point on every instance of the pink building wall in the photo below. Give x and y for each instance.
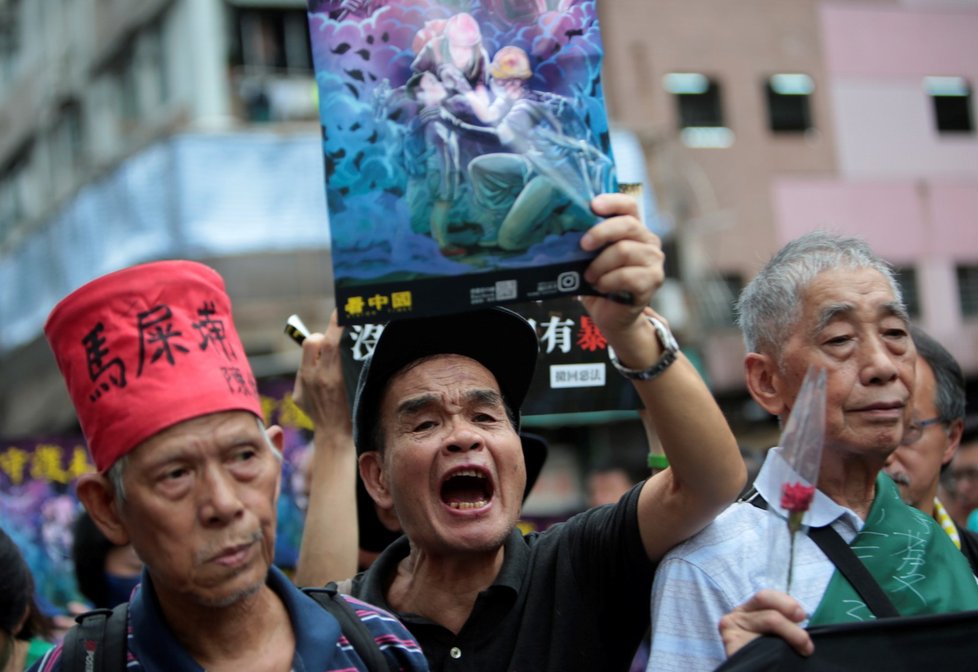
(910, 191)
(889, 215)
(905, 221)
(880, 41)
(887, 128)
(877, 57)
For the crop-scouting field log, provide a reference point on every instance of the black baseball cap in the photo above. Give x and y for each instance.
(499, 339)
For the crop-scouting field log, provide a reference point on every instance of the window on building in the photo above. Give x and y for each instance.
(152, 65)
(270, 40)
(13, 193)
(968, 289)
(272, 61)
(951, 100)
(716, 298)
(123, 75)
(698, 99)
(699, 109)
(907, 280)
(730, 285)
(67, 148)
(9, 38)
(133, 86)
(789, 102)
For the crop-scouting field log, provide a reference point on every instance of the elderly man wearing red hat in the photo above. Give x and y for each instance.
(436, 424)
(189, 475)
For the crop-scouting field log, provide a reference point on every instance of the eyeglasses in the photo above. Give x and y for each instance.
(966, 474)
(915, 430)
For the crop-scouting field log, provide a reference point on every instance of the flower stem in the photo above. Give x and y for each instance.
(791, 557)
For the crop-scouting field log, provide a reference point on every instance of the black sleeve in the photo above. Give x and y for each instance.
(606, 553)
(969, 546)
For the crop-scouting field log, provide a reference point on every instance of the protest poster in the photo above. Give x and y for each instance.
(573, 373)
(462, 143)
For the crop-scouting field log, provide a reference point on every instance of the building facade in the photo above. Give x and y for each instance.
(133, 130)
(764, 119)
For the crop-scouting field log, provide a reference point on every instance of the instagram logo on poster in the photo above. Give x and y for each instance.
(568, 281)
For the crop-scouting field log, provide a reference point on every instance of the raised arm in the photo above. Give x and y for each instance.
(706, 470)
(329, 539)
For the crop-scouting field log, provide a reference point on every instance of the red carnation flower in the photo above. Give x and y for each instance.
(796, 497)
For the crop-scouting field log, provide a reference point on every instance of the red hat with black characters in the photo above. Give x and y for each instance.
(145, 348)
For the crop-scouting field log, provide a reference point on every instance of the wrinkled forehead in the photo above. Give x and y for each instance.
(213, 431)
(845, 293)
(437, 373)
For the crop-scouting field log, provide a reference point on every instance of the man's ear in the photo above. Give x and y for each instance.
(371, 465)
(764, 383)
(277, 436)
(97, 494)
(954, 433)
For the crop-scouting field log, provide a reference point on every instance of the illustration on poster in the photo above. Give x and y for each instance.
(459, 139)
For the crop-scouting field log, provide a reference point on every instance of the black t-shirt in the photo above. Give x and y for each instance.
(575, 597)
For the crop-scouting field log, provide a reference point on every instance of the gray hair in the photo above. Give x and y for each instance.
(769, 307)
(116, 472)
(115, 475)
(950, 397)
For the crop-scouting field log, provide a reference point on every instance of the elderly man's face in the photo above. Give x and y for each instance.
(964, 475)
(916, 467)
(453, 465)
(850, 325)
(200, 508)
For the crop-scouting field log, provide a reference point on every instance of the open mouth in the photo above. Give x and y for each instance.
(467, 489)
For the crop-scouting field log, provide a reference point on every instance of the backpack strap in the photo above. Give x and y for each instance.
(355, 630)
(969, 546)
(848, 564)
(99, 642)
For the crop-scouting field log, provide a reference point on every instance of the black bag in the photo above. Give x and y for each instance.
(98, 642)
(945, 642)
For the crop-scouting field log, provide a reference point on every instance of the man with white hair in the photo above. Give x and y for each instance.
(822, 301)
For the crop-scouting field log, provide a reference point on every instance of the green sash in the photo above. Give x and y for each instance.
(912, 559)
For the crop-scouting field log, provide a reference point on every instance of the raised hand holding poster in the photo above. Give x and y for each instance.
(463, 141)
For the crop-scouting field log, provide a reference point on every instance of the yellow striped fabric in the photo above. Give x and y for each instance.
(940, 515)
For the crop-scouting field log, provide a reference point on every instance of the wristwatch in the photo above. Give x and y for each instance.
(669, 349)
